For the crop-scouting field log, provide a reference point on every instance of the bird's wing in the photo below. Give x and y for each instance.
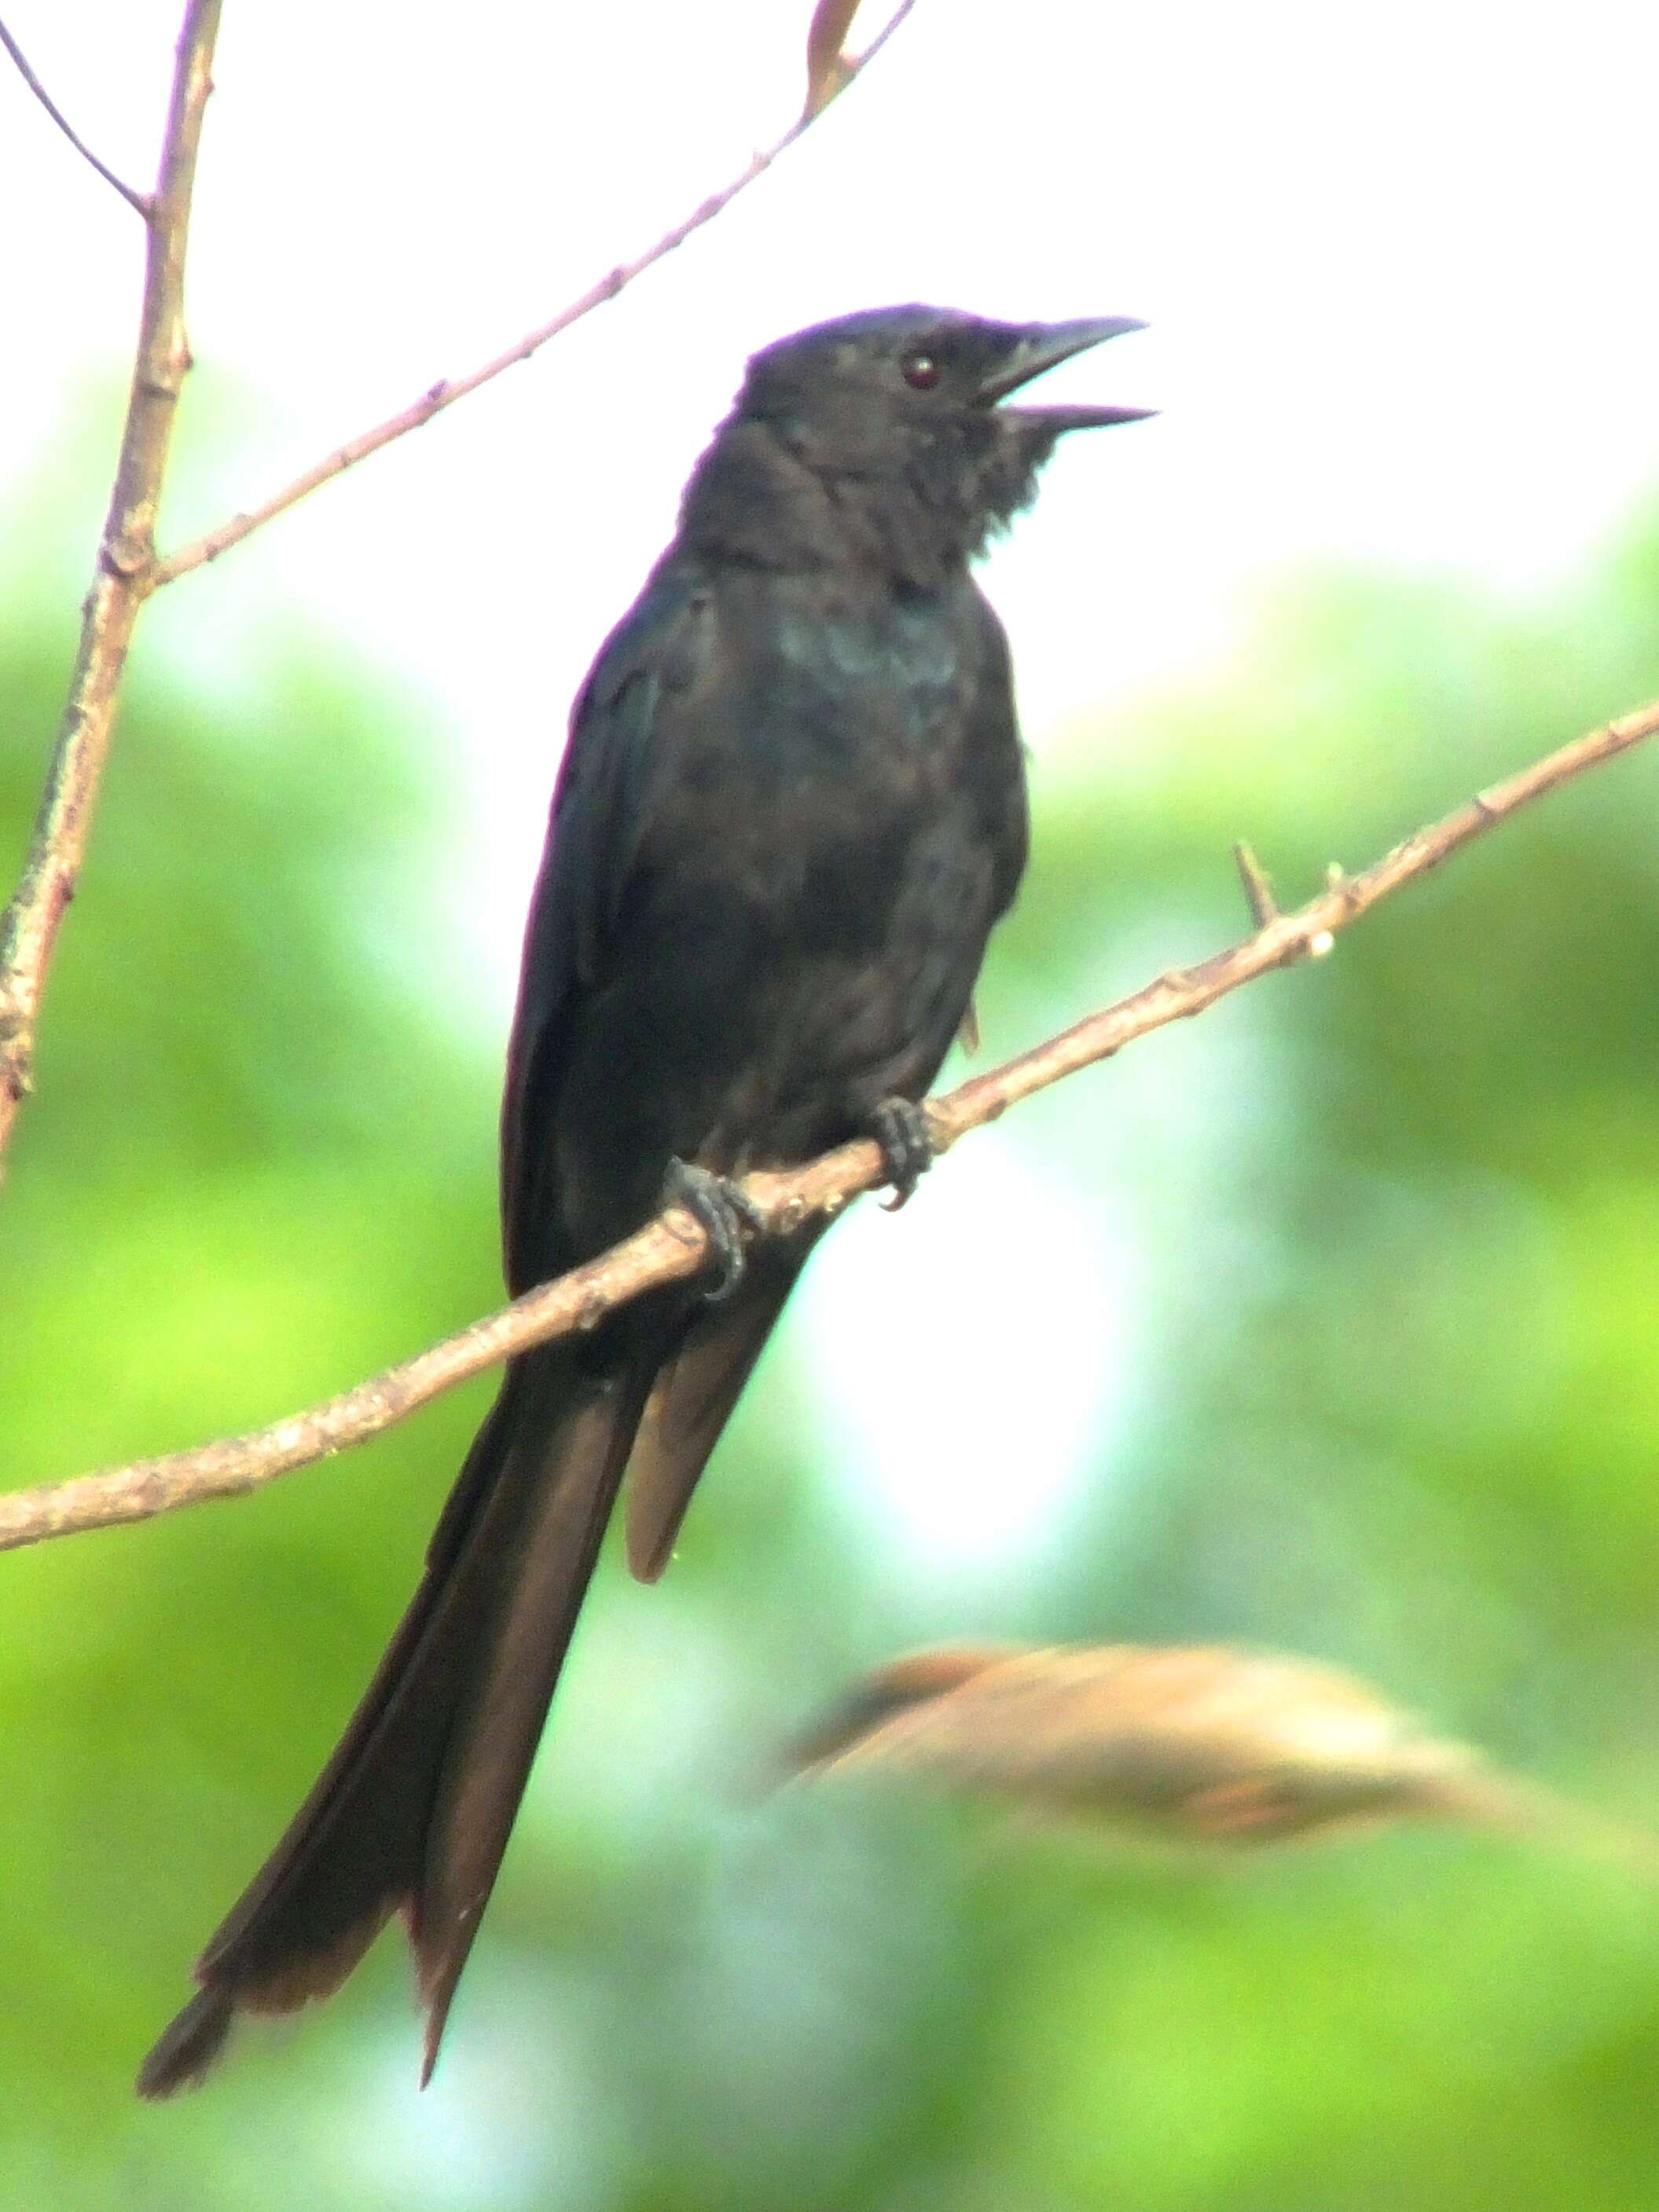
(592, 838)
(1006, 820)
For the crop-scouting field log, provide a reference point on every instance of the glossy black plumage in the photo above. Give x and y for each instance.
(791, 810)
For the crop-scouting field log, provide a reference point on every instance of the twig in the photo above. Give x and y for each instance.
(674, 1247)
(448, 390)
(132, 198)
(1258, 891)
(126, 558)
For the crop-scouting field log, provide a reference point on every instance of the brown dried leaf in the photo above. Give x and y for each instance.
(1211, 1745)
(826, 44)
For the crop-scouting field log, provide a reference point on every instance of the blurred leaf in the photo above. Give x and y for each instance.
(1212, 1746)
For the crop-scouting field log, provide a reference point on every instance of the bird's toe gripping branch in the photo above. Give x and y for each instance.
(724, 1212)
(901, 1129)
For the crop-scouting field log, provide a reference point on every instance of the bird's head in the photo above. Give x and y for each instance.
(904, 411)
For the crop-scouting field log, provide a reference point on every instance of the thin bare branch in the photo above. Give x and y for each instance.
(448, 390)
(674, 1246)
(132, 198)
(124, 573)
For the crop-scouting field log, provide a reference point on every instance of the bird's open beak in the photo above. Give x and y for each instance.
(1042, 346)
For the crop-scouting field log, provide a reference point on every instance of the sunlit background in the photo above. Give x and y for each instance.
(1330, 1321)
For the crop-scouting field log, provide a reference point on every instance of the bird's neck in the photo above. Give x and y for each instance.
(913, 515)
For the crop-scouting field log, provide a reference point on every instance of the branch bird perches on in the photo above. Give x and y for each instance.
(674, 1246)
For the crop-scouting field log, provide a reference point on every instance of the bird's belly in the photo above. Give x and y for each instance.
(759, 1007)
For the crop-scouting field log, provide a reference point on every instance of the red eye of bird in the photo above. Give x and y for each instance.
(920, 371)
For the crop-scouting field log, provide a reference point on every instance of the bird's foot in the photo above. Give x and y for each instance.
(723, 1210)
(900, 1129)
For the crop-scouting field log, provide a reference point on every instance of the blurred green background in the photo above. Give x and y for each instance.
(1386, 1391)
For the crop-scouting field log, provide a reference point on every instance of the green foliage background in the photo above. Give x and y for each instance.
(1395, 1220)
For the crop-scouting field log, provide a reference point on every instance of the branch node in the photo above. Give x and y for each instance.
(128, 554)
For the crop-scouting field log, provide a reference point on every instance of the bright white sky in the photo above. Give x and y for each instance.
(1399, 262)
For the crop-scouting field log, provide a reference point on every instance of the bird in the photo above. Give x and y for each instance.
(790, 810)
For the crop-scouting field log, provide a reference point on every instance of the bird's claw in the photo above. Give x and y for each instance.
(900, 1129)
(723, 1210)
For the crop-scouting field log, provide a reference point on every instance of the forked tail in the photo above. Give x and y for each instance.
(413, 1811)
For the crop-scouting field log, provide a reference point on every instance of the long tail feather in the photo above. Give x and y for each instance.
(413, 1810)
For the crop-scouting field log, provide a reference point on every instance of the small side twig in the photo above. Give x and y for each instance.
(126, 556)
(675, 1247)
(448, 390)
(1258, 891)
(134, 199)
